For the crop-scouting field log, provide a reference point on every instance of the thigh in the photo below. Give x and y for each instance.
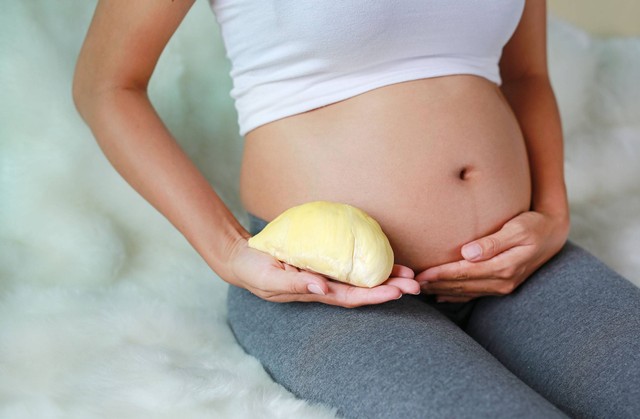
(572, 332)
(400, 359)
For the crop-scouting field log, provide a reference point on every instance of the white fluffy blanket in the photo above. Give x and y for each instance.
(105, 310)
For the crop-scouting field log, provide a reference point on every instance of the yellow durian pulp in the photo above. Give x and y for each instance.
(333, 239)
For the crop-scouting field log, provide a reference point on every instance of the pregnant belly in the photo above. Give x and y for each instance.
(438, 162)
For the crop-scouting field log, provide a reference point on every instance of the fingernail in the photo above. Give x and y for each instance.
(314, 289)
(399, 297)
(471, 252)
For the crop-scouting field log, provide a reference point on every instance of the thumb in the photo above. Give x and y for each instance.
(488, 246)
(303, 282)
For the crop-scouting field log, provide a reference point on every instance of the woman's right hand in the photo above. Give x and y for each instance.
(273, 280)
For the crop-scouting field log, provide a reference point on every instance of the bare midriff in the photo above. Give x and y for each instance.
(438, 162)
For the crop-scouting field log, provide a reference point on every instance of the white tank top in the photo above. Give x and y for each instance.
(291, 56)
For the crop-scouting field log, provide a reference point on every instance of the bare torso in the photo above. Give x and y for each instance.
(438, 162)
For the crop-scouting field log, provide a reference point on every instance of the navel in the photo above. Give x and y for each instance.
(464, 173)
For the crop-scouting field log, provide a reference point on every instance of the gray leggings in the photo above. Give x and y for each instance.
(567, 340)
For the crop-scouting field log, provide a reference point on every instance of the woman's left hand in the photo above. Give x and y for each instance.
(497, 264)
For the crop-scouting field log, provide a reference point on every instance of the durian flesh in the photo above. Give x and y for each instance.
(337, 240)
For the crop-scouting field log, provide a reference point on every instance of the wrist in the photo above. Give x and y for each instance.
(226, 265)
(223, 247)
(559, 224)
(557, 212)
(234, 246)
(554, 205)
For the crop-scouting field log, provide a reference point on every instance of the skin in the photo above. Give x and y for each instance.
(117, 59)
(498, 263)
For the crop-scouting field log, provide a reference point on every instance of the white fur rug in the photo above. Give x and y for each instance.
(105, 310)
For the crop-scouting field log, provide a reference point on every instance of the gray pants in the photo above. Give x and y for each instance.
(567, 340)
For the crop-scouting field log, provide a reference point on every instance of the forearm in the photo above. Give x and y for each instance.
(143, 151)
(533, 102)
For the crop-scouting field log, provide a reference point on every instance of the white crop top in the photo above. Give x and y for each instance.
(291, 56)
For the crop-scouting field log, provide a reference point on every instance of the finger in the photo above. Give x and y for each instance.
(458, 270)
(293, 281)
(447, 299)
(405, 285)
(506, 265)
(451, 292)
(347, 296)
(510, 235)
(404, 281)
(402, 271)
(285, 284)
(288, 285)
(350, 296)
(478, 287)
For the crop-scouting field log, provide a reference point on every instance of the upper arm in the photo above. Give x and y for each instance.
(526, 52)
(124, 42)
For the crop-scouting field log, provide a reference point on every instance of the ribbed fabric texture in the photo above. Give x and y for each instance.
(289, 57)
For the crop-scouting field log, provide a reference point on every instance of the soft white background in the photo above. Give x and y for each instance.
(105, 310)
